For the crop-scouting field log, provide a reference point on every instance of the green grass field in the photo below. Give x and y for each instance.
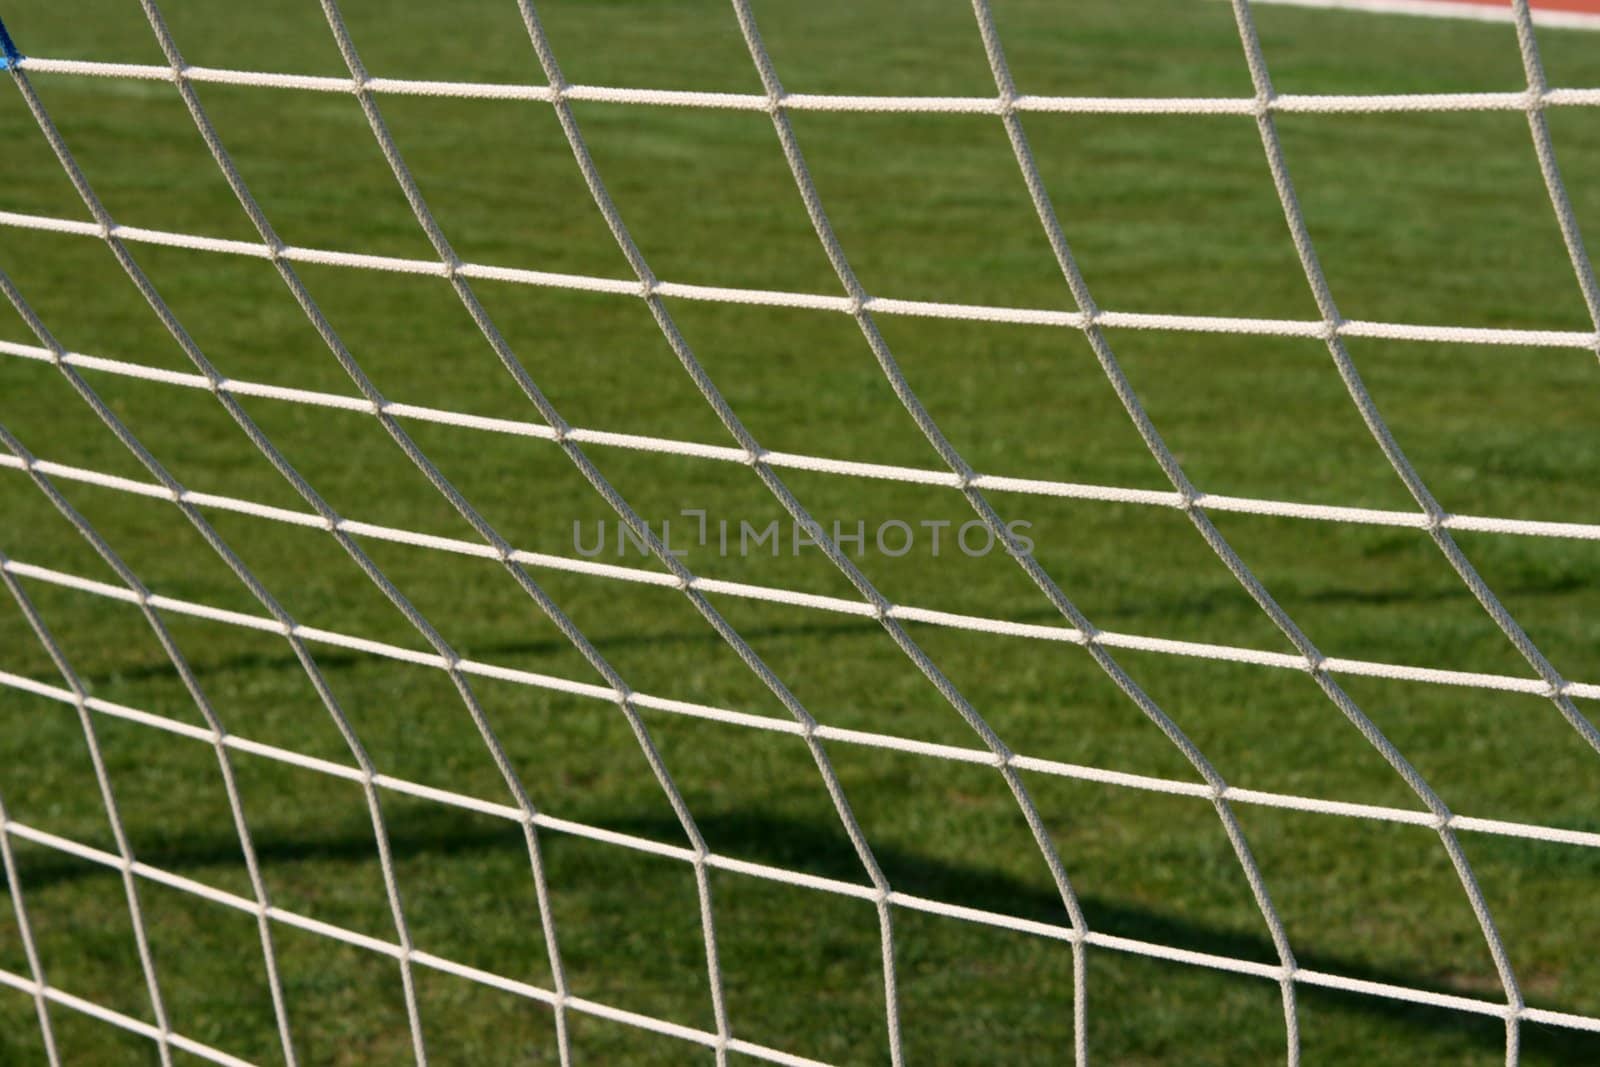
(1418, 218)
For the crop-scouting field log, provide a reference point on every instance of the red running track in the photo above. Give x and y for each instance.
(1583, 7)
(1572, 13)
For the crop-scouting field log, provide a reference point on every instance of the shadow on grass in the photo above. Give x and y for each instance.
(429, 831)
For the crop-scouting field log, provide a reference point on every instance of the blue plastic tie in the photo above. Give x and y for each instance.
(8, 48)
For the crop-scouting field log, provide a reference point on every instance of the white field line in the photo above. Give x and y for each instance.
(1453, 9)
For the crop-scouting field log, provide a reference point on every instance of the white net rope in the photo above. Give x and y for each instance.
(1009, 107)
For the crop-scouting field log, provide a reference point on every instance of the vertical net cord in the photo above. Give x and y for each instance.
(286, 623)
(1413, 482)
(684, 576)
(1036, 573)
(1170, 466)
(503, 549)
(1003, 756)
(1544, 148)
(480, 525)
(445, 652)
(1078, 288)
(30, 951)
(519, 573)
(108, 799)
(196, 693)
(1364, 403)
(1093, 326)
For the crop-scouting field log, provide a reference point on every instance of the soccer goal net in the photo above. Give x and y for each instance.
(798, 533)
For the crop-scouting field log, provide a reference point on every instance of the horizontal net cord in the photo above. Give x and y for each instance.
(1295, 103)
(794, 598)
(444, 966)
(359, 83)
(1242, 505)
(200, 1049)
(727, 716)
(1263, 105)
(210, 893)
(1303, 328)
(1304, 976)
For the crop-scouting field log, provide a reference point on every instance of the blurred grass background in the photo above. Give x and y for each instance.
(1426, 218)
